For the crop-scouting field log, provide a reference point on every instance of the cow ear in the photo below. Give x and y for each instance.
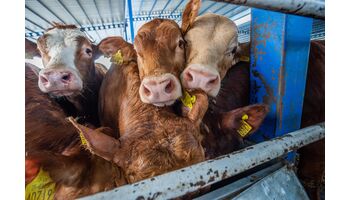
(189, 14)
(96, 141)
(245, 120)
(31, 49)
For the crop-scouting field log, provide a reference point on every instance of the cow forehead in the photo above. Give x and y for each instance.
(63, 37)
(212, 29)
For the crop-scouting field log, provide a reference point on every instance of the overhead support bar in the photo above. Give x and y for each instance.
(154, 4)
(217, 10)
(41, 17)
(166, 5)
(207, 8)
(71, 14)
(141, 4)
(47, 8)
(308, 8)
(237, 11)
(182, 181)
(232, 9)
(177, 6)
(131, 20)
(35, 24)
(87, 17)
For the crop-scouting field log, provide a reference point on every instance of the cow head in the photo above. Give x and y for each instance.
(212, 41)
(161, 59)
(67, 56)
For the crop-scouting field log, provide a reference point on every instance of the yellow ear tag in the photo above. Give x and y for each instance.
(245, 127)
(117, 58)
(244, 59)
(42, 187)
(82, 138)
(188, 100)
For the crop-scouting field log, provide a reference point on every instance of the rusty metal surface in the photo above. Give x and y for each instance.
(308, 8)
(282, 185)
(192, 178)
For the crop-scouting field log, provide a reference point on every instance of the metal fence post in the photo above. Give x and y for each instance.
(279, 58)
(131, 21)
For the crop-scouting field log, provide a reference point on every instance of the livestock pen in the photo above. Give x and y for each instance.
(279, 33)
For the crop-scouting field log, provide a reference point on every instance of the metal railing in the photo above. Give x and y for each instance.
(180, 182)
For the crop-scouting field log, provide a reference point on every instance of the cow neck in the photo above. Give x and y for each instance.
(141, 117)
(85, 105)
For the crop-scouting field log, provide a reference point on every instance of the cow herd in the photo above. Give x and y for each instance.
(178, 96)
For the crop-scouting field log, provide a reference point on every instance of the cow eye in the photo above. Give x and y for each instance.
(234, 50)
(88, 51)
(182, 44)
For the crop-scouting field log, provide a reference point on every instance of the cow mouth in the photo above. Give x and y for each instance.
(164, 103)
(62, 93)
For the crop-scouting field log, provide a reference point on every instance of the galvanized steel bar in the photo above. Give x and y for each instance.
(154, 4)
(189, 179)
(71, 14)
(37, 14)
(177, 6)
(166, 5)
(308, 8)
(53, 13)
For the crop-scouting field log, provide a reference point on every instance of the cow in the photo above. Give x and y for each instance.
(31, 50)
(69, 74)
(52, 145)
(153, 140)
(213, 54)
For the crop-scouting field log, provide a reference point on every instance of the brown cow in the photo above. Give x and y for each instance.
(52, 144)
(153, 140)
(69, 73)
(161, 58)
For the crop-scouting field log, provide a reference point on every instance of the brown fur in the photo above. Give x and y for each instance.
(159, 45)
(84, 103)
(153, 140)
(31, 49)
(53, 143)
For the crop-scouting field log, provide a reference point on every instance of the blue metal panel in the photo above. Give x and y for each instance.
(131, 21)
(279, 57)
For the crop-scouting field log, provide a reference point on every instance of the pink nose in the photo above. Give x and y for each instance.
(55, 79)
(160, 91)
(194, 78)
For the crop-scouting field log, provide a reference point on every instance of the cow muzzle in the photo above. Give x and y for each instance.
(196, 76)
(59, 82)
(161, 90)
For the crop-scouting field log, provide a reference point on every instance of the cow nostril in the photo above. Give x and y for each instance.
(146, 91)
(188, 76)
(43, 80)
(66, 77)
(169, 87)
(213, 81)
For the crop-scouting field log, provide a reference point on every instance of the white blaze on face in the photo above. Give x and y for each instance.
(62, 47)
(60, 76)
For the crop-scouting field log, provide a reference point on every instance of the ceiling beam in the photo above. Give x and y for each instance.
(47, 8)
(234, 8)
(178, 5)
(217, 10)
(166, 5)
(41, 17)
(34, 23)
(71, 14)
(141, 4)
(154, 4)
(207, 8)
(87, 17)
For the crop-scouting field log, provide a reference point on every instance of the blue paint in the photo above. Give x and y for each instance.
(131, 20)
(279, 57)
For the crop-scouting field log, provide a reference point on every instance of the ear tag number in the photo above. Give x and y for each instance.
(42, 187)
(245, 128)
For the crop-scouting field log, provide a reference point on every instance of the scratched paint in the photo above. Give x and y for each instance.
(279, 58)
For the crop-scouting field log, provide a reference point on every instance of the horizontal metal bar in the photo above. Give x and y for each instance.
(309, 8)
(180, 182)
(237, 186)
